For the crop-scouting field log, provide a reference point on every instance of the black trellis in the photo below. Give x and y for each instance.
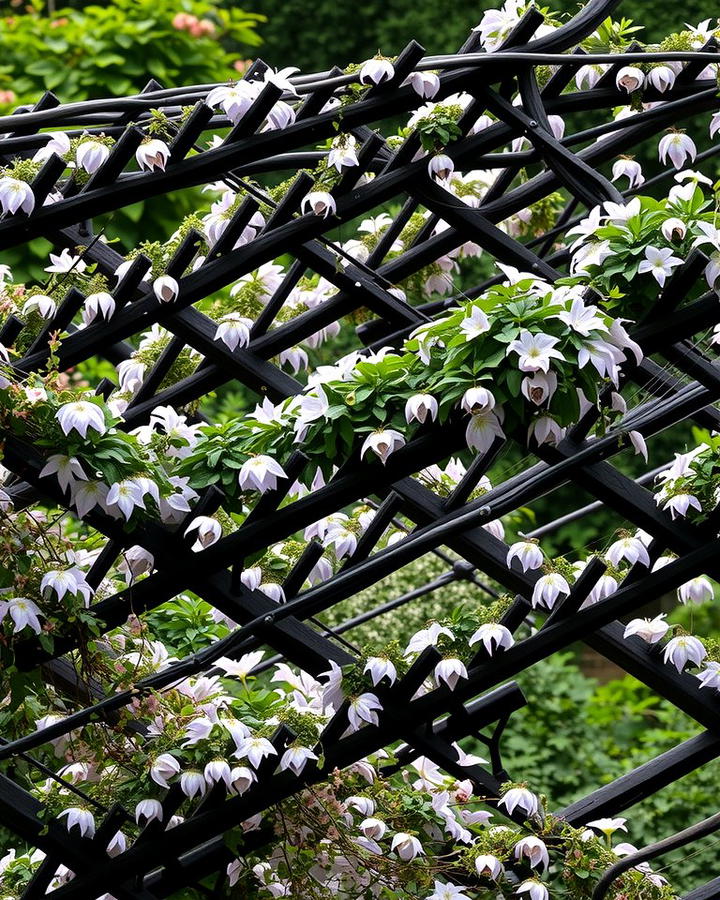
(161, 862)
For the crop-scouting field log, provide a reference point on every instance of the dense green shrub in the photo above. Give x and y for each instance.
(401, 623)
(100, 51)
(326, 36)
(114, 49)
(575, 735)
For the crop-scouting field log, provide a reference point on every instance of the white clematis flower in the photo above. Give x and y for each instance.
(165, 766)
(44, 305)
(166, 288)
(363, 709)
(475, 324)
(209, 531)
(535, 890)
(528, 554)
(419, 407)
(629, 168)
(535, 351)
(406, 846)
(684, 649)
(630, 548)
(260, 473)
(493, 636)
(100, 303)
(379, 667)
(450, 671)
(79, 416)
(23, 612)
(296, 758)
(548, 588)
(90, 155)
(489, 866)
(83, 819)
(678, 147)
(68, 470)
(383, 443)
(255, 749)
(659, 263)
(152, 154)
(149, 810)
(522, 799)
(321, 203)
(608, 826)
(16, 195)
(630, 78)
(482, 430)
(534, 851)
(376, 71)
(697, 590)
(650, 630)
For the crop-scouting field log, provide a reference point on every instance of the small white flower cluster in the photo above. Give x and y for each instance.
(618, 231)
(89, 155)
(497, 24)
(675, 484)
(89, 419)
(56, 586)
(681, 650)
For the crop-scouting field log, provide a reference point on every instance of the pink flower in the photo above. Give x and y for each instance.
(182, 20)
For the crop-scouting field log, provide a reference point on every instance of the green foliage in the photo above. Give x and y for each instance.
(184, 625)
(575, 735)
(612, 34)
(624, 245)
(100, 51)
(112, 50)
(468, 348)
(441, 27)
(439, 127)
(218, 457)
(703, 476)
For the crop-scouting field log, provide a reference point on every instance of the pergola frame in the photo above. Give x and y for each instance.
(160, 862)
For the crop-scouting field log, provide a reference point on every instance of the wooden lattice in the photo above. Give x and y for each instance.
(162, 861)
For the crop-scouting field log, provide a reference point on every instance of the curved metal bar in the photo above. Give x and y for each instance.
(652, 851)
(490, 79)
(145, 102)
